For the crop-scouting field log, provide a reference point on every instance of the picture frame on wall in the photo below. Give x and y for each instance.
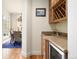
(40, 12)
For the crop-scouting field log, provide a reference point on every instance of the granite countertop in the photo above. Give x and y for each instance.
(59, 41)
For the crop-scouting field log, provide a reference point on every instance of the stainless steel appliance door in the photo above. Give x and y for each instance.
(55, 53)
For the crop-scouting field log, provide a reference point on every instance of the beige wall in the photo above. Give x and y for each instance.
(62, 27)
(39, 24)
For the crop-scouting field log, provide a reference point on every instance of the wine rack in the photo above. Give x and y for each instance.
(57, 12)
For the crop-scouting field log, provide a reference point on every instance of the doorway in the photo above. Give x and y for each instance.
(12, 34)
(11, 24)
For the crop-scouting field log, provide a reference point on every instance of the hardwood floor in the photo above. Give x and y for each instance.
(15, 53)
(36, 57)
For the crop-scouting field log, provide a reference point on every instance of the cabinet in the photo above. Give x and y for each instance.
(57, 11)
(45, 49)
(51, 51)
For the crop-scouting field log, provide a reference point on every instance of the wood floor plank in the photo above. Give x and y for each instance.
(36, 57)
(15, 53)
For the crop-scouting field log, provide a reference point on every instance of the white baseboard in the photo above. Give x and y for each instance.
(36, 52)
(25, 54)
(29, 53)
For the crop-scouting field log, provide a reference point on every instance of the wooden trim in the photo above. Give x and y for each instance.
(46, 49)
(59, 20)
(61, 12)
(58, 4)
(50, 33)
(63, 9)
(57, 14)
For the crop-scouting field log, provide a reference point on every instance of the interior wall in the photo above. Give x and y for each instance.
(39, 24)
(5, 21)
(72, 29)
(62, 27)
(13, 6)
(26, 27)
(29, 27)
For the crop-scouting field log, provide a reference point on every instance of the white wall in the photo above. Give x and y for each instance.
(29, 27)
(26, 27)
(72, 29)
(5, 20)
(39, 24)
(6, 23)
